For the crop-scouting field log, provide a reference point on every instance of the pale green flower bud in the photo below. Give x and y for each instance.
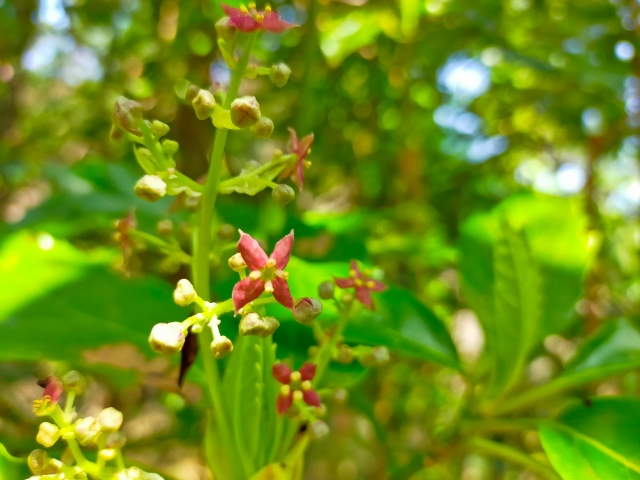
(127, 114)
(86, 430)
(326, 290)
(48, 434)
(226, 31)
(170, 147)
(237, 263)
(151, 188)
(254, 324)
(306, 310)
(192, 203)
(344, 354)
(165, 227)
(184, 294)
(318, 429)
(192, 93)
(108, 454)
(283, 194)
(74, 382)
(40, 464)
(203, 104)
(226, 231)
(245, 112)
(159, 129)
(110, 419)
(116, 440)
(377, 357)
(280, 74)
(263, 128)
(167, 338)
(221, 346)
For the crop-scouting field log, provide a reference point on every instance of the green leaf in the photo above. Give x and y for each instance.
(612, 349)
(599, 441)
(522, 267)
(221, 118)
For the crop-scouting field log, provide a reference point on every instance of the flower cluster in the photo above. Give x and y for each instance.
(296, 386)
(102, 431)
(362, 283)
(249, 19)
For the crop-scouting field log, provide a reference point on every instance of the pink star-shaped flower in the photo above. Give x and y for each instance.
(266, 273)
(301, 148)
(295, 385)
(362, 283)
(249, 19)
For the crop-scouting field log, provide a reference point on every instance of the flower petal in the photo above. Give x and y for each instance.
(355, 268)
(363, 294)
(246, 291)
(274, 24)
(253, 255)
(311, 397)
(231, 11)
(293, 143)
(282, 251)
(244, 23)
(283, 402)
(344, 282)
(300, 176)
(378, 286)
(307, 371)
(52, 387)
(281, 292)
(282, 373)
(305, 145)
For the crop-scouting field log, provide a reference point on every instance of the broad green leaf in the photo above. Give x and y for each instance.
(598, 441)
(552, 246)
(221, 118)
(400, 322)
(612, 349)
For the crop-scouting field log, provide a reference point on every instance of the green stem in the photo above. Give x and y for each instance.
(153, 146)
(324, 356)
(238, 421)
(91, 468)
(4, 453)
(498, 425)
(511, 455)
(202, 247)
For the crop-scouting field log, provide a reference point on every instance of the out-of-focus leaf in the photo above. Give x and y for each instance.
(221, 118)
(612, 349)
(554, 232)
(598, 441)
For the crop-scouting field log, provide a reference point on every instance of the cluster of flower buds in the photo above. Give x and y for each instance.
(156, 158)
(103, 431)
(296, 388)
(361, 282)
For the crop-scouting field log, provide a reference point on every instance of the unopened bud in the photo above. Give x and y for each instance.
(116, 440)
(226, 231)
(127, 114)
(221, 347)
(283, 194)
(38, 461)
(48, 434)
(74, 382)
(191, 93)
(203, 104)
(377, 357)
(165, 227)
(86, 430)
(170, 147)
(318, 429)
(184, 294)
(192, 203)
(344, 354)
(159, 129)
(108, 453)
(151, 188)
(326, 290)
(167, 338)
(272, 325)
(280, 74)
(226, 31)
(110, 419)
(115, 134)
(245, 112)
(347, 297)
(263, 128)
(306, 310)
(237, 263)
(254, 324)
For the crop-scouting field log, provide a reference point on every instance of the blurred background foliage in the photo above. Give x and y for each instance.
(433, 119)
